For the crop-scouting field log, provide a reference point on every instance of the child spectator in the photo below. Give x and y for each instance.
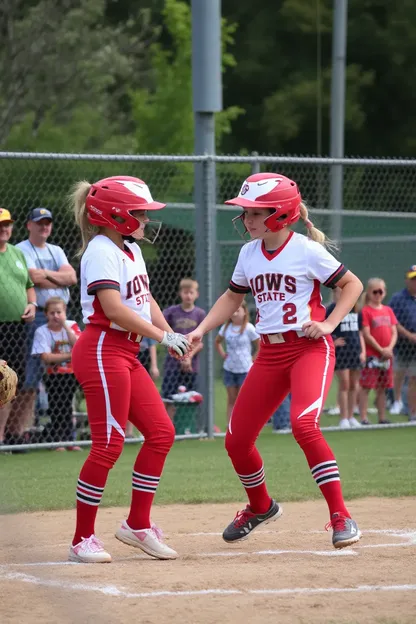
(239, 336)
(350, 355)
(182, 318)
(53, 342)
(379, 328)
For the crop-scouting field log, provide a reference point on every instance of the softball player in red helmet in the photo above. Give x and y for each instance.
(118, 309)
(284, 271)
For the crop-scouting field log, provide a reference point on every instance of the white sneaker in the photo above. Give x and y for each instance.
(354, 422)
(396, 408)
(356, 410)
(89, 550)
(334, 411)
(344, 423)
(148, 540)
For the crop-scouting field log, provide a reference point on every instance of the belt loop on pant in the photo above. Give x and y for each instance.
(134, 337)
(280, 337)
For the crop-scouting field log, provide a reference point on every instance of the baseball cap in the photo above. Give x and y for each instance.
(411, 272)
(5, 215)
(36, 214)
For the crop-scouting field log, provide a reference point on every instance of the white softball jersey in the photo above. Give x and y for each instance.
(105, 265)
(286, 283)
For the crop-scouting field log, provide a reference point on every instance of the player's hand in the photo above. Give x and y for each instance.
(154, 372)
(177, 342)
(340, 342)
(186, 364)
(363, 357)
(316, 329)
(195, 336)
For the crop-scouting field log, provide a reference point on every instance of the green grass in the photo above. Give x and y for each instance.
(372, 463)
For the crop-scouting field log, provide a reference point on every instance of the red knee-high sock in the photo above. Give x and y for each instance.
(90, 488)
(250, 471)
(145, 479)
(325, 471)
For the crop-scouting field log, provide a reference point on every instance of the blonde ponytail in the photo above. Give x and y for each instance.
(77, 201)
(313, 232)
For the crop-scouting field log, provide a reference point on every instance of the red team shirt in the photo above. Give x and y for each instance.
(380, 321)
(104, 265)
(286, 283)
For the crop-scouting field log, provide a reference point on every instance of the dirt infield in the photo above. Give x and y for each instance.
(287, 572)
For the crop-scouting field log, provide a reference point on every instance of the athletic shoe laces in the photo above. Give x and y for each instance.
(337, 523)
(158, 533)
(243, 516)
(93, 544)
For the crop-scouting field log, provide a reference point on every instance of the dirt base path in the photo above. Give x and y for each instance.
(287, 572)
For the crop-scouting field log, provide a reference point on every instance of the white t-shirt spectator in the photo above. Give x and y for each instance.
(238, 347)
(51, 258)
(48, 341)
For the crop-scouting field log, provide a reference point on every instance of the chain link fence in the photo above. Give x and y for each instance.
(378, 240)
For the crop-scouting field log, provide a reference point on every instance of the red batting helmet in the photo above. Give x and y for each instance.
(271, 190)
(110, 202)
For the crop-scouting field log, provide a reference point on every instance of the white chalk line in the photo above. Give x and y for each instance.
(112, 590)
(408, 535)
(345, 552)
(318, 553)
(398, 532)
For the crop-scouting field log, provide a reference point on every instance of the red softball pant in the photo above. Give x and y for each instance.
(305, 369)
(118, 388)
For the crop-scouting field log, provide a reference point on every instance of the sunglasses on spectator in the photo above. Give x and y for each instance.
(378, 291)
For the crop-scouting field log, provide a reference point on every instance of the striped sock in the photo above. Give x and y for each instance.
(90, 488)
(144, 488)
(255, 486)
(89, 494)
(326, 475)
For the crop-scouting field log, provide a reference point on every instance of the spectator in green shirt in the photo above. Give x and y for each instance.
(17, 307)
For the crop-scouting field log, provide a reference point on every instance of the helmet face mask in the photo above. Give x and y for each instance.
(111, 202)
(270, 191)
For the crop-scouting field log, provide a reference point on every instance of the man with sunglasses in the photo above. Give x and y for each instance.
(403, 304)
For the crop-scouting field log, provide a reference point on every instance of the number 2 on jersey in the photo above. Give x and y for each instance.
(289, 315)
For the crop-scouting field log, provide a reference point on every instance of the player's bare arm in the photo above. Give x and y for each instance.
(120, 314)
(351, 288)
(222, 309)
(157, 316)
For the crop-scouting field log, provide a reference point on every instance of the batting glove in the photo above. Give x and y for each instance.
(174, 341)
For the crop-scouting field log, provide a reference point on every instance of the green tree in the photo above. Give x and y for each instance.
(63, 63)
(163, 112)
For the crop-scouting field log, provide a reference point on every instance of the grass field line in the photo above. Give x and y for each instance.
(112, 590)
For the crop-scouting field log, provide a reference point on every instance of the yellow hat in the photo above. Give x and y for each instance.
(5, 215)
(411, 272)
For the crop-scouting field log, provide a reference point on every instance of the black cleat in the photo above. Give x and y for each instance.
(246, 521)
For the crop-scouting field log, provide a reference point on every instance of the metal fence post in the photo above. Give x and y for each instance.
(255, 165)
(339, 45)
(207, 99)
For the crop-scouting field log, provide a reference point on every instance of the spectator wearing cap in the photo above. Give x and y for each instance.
(52, 275)
(403, 304)
(17, 307)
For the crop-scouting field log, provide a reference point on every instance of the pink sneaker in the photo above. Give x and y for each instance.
(148, 540)
(89, 550)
